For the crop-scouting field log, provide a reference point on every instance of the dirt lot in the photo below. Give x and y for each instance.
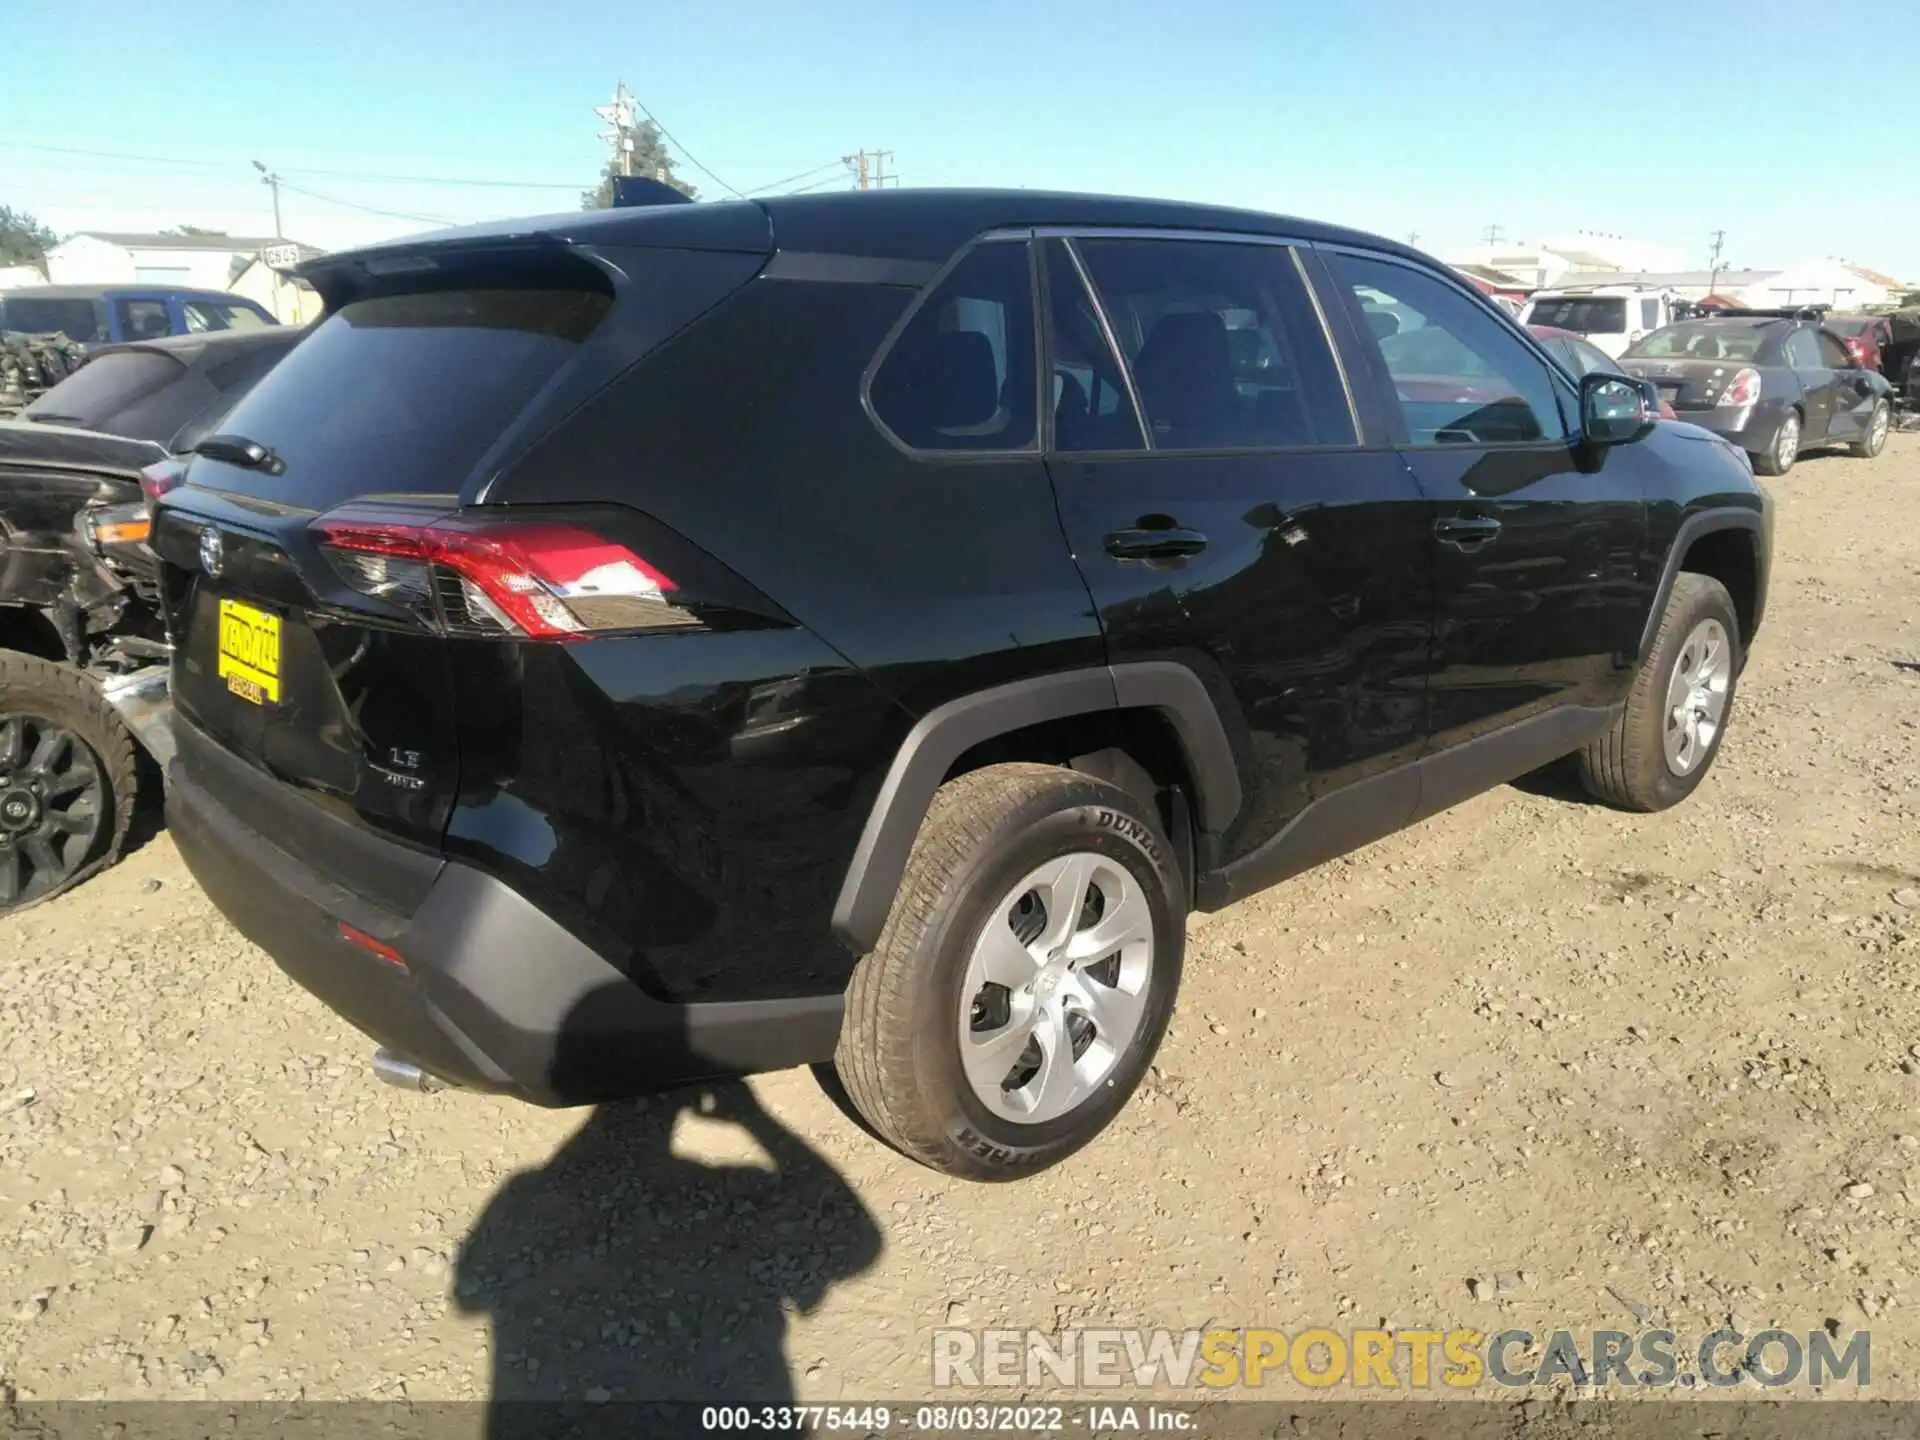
(1533, 1064)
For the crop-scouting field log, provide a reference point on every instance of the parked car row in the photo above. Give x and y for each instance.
(1774, 382)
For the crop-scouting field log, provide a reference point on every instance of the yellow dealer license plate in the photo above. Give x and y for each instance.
(250, 652)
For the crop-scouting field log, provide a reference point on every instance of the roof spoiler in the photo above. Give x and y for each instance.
(629, 190)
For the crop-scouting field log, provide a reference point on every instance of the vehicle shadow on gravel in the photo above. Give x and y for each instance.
(621, 1274)
(1557, 780)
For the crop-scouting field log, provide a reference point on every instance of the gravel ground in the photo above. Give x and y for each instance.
(1532, 1064)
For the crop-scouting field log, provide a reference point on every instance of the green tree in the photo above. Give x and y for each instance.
(1912, 297)
(193, 230)
(23, 239)
(649, 157)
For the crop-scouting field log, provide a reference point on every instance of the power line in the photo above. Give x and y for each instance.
(804, 174)
(667, 135)
(443, 180)
(818, 184)
(377, 177)
(119, 155)
(370, 209)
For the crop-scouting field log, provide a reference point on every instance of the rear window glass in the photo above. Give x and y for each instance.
(1584, 315)
(76, 319)
(105, 386)
(1852, 324)
(1702, 342)
(403, 393)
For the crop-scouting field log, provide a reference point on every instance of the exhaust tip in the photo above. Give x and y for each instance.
(395, 1069)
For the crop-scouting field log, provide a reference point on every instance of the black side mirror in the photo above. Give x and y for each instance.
(1614, 409)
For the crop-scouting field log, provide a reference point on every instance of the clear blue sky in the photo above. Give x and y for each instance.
(1765, 118)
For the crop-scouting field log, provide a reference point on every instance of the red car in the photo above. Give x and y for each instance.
(1583, 358)
(1863, 335)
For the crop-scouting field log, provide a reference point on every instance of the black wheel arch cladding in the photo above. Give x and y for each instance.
(948, 731)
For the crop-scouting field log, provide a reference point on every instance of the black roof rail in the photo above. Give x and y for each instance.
(1783, 312)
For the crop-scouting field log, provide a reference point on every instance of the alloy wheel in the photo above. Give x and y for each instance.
(1786, 447)
(1697, 695)
(53, 803)
(1056, 988)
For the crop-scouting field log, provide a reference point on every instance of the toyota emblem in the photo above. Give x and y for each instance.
(213, 551)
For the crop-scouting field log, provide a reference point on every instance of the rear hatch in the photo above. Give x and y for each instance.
(303, 554)
(1589, 315)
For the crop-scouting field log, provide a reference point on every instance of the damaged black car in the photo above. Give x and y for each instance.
(83, 647)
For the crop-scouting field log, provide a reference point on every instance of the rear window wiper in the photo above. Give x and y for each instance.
(238, 450)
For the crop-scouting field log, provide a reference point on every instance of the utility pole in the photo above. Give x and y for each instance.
(1713, 271)
(619, 134)
(869, 169)
(1492, 235)
(1413, 237)
(272, 180)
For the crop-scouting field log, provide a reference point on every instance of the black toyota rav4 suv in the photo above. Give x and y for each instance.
(625, 648)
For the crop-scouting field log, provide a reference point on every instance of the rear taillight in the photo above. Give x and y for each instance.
(160, 477)
(539, 580)
(1743, 389)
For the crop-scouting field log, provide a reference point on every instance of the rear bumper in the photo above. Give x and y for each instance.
(145, 705)
(1754, 430)
(492, 994)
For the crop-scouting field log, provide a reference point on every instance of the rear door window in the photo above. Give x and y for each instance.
(1224, 345)
(1091, 407)
(142, 319)
(960, 374)
(1832, 353)
(403, 393)
(203, 315)
(1649, 314)
(1802, 352)
(78, 319)
(242, 317)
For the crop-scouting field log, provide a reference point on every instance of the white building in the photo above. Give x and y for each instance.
(194, 262)
(1618, 252)
(290, 301)
(12, 277)
(1812, 282)
(1825, 282)
(1740, 285)
(1542, 266)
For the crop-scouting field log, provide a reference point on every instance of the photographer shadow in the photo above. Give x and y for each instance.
(627, 1285)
